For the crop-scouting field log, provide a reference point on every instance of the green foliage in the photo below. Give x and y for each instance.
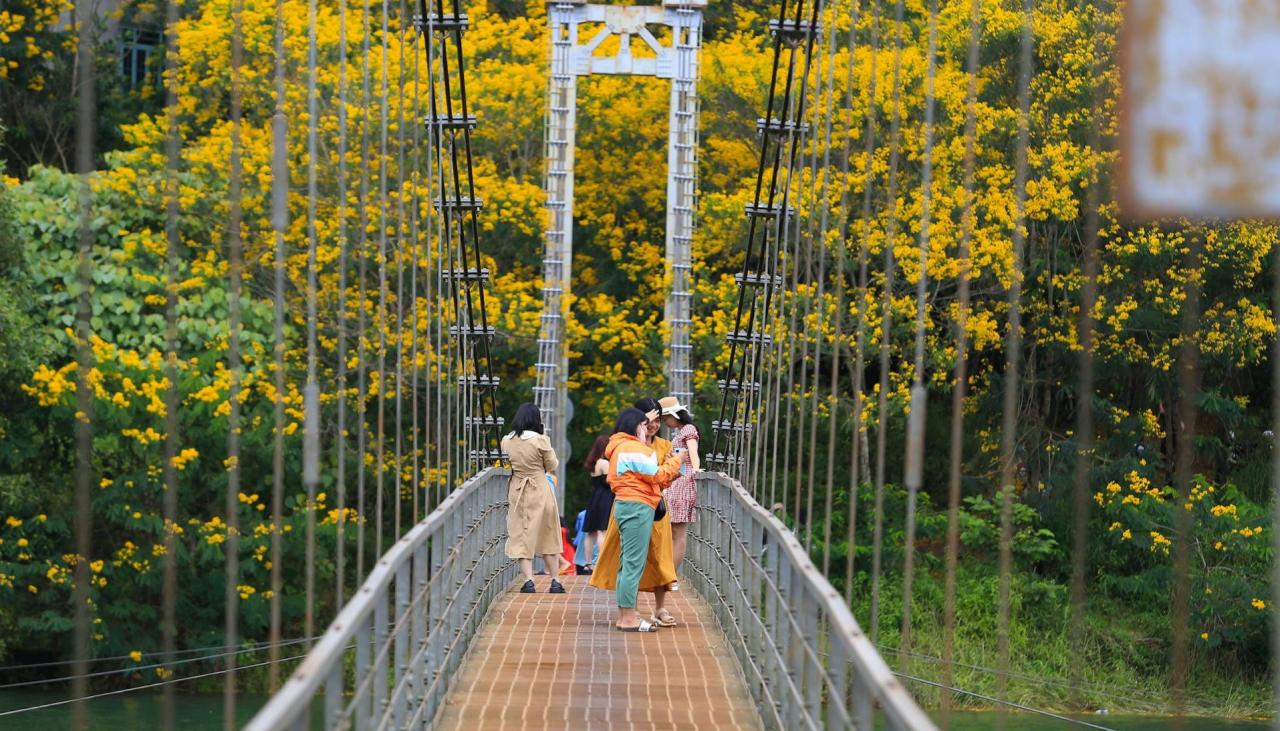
(1229, 560)
(614, 330)
(40, 85)
(1123, 663)
(128, 446)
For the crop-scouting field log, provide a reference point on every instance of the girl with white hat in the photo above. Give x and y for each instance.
(682, 496)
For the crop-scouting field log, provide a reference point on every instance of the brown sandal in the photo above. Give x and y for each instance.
(667, 621)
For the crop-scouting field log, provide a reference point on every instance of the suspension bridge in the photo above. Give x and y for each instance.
(425, 627)
(437, 635)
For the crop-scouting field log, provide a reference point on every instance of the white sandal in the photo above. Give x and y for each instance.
(644, 626)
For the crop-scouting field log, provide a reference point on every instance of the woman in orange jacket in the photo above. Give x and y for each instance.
(659, 567)
(637, 480)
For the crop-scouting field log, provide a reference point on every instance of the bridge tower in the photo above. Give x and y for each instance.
(571, 58)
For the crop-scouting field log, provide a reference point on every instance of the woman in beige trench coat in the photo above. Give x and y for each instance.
(533, 517)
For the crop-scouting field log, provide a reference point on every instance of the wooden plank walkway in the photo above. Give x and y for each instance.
(555, 661)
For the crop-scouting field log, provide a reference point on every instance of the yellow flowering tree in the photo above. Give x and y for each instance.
(1230, 554)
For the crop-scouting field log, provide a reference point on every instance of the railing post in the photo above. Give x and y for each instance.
(473, 541)
(333, 695)
(724, 556)
(364, 706)
(787, 641)
(417, 670)
(755, 578)
(435, 612)
(838, 694)
(862, 703)
(811, 663)
(401, 642)
(380, 659)
(772, 607)
(455, 570)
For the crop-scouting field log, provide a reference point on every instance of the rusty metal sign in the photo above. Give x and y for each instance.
(1200, 117)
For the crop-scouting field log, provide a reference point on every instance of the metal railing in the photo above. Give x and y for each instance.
(409, 625)
(807, 662)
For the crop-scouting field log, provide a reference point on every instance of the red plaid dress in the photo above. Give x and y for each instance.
(682, 496)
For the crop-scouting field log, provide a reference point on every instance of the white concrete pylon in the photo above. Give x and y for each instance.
(571, 58)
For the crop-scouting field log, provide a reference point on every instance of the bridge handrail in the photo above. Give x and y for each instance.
(797, 640)
(459, 531)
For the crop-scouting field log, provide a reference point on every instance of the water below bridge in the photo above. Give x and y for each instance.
(204, 713)
(555, 662)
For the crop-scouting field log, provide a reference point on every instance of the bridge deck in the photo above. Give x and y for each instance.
(555, 661)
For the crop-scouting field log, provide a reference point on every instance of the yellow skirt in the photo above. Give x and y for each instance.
(659, 566)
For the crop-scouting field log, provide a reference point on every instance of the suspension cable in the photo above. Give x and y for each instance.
(380, 434)
(1084, 401)
(824, 220)
(340, 486)
(419, 458)
(362, 334)
(82, 528)
(800, 260)
(165, 662)
(759, 277)
(808, 302)
(1124, 693)
(230, 670)
(833, 401)
(960, 388)
(173, 242)
(458, 206)
(399, 254)
(1275, 511)
(280, 226)
(860, 337)
(789, 242)
(444, 395)
(1003, 703)
(235, 282)
(1013, 348)
(422, 233)
(361, 295)
(914, 457)
(776, 405)
(886, 323)
(311, 392)
(111, 658)
(1184, 469)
